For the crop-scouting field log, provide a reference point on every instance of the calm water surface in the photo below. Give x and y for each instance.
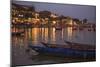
(36, 35)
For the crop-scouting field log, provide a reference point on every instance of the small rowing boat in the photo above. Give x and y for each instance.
(58, 28)
(55, 45)
(71, 45)
(80, 46)
(64, 52)
(17, 33)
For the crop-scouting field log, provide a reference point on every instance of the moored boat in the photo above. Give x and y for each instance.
(65, 52)
(89, 29)
(81, 46)
(71, 45)
(55, 45)
(17, 33)
(74, 28)
(58, 28)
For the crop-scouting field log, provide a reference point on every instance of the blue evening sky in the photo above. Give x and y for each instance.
(75, 11)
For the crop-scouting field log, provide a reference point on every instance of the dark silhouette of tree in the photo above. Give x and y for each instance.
(61, 17)
(85, 21)
(77, 20)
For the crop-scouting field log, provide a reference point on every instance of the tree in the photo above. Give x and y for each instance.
(85, 21)
(77, 21)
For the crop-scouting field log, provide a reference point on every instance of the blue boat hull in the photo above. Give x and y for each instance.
(66, 52)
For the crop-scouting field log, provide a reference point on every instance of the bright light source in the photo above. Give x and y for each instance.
(20, 15)
(54, 22)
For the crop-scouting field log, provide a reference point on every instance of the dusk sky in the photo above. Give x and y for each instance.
(74, 11)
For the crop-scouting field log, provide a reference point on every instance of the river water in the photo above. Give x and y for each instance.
(35, 36)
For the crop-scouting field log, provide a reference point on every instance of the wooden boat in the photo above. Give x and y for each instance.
(74, 28)
(64, 52)
(55, 45)
(71, 45)
(89, 29)
(80, 46)
(58, 28)
(17, 33)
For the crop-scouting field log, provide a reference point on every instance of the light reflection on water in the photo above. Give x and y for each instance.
(37, 35)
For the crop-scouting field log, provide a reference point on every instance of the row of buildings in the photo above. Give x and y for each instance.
(22, 14)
